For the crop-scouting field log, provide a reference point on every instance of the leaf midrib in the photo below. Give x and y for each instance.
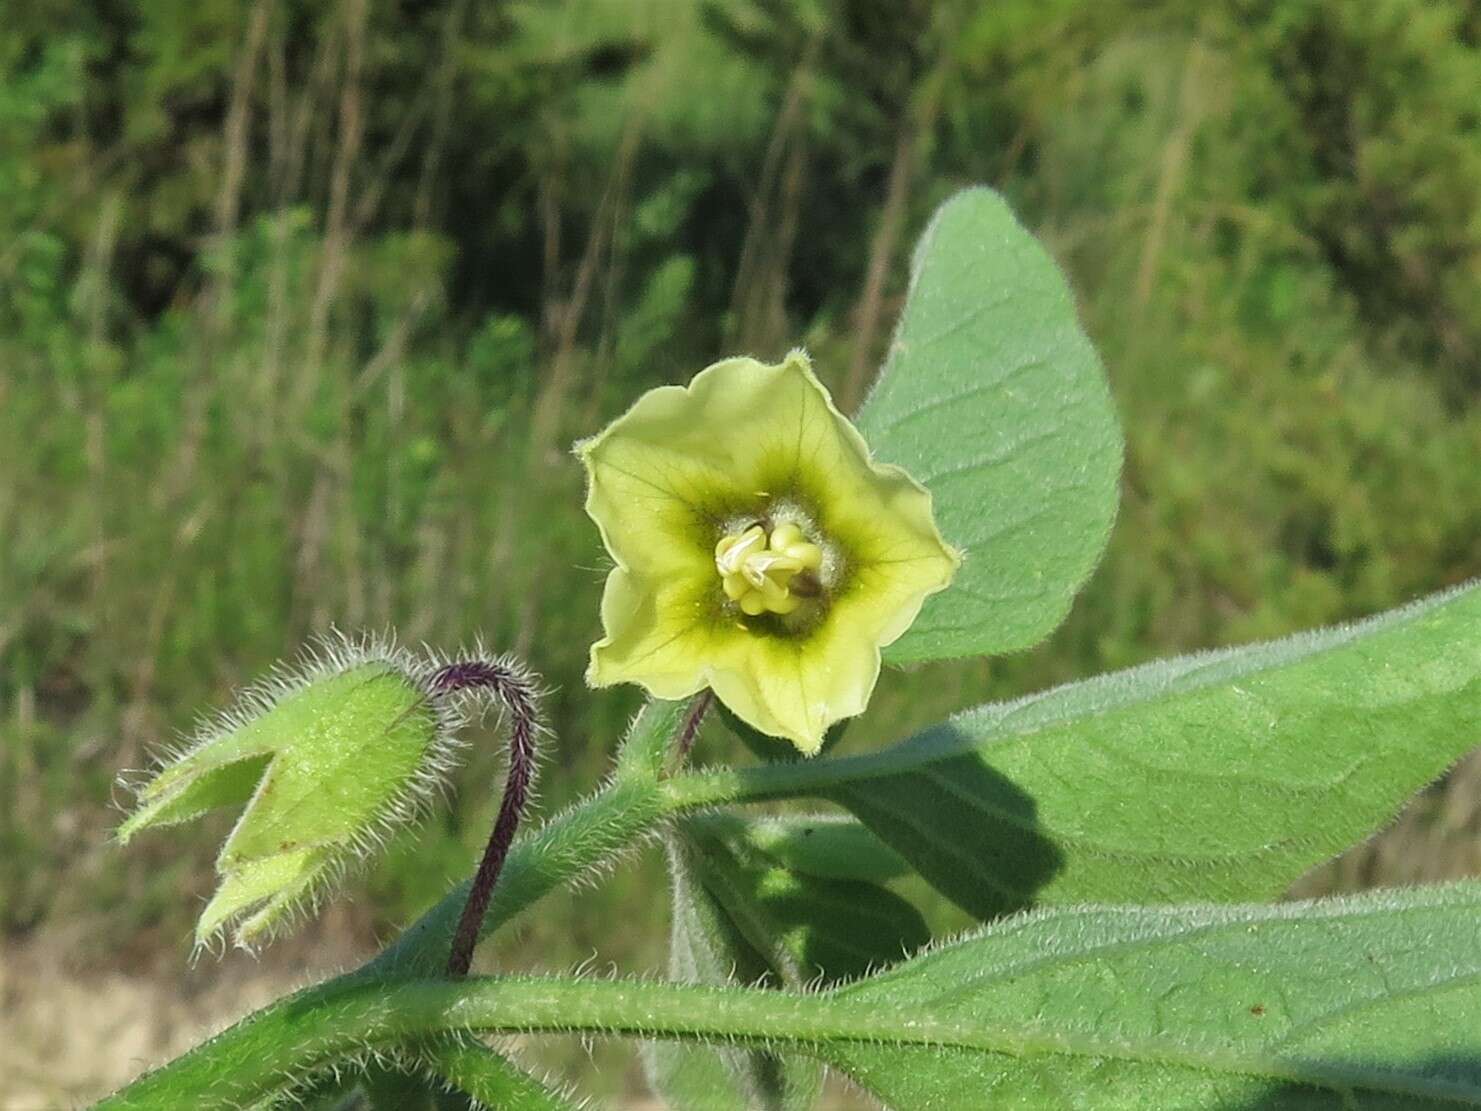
(1172, 933)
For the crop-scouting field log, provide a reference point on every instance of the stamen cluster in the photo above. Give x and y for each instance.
(764, 573)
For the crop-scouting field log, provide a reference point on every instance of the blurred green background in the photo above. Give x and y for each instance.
(301, 305)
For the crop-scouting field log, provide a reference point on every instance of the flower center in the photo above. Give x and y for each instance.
(768, 574)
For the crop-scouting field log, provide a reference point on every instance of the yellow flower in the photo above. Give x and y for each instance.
(759, 550)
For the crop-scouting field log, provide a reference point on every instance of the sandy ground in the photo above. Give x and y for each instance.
(69, 1036)
(67, 1039)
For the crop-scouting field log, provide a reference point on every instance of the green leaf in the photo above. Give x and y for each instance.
(1220, 776)
(324, 763)
(1368, 1002)
(993, 397)
(1372, 1001)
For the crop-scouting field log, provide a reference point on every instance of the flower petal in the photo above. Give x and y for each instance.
(798, 688)
(901, 558)
(654, 636)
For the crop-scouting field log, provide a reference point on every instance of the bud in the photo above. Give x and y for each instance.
(328, 757)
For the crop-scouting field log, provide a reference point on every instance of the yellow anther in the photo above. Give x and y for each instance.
(773, 593)
(790, 542)
(810, 556)
(785, 604)
(732, 551)
(769, 568)
(785, 535)
(756, 570)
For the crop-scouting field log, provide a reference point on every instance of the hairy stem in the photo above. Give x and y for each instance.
(573, 844)
(515, 690)
(284, 1042)
(275, 1048)
(583, 839)
(709, 787)
(689, 731)
(816, 778)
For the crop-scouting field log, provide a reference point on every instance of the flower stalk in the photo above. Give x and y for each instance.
(689, 731)
(514, 689)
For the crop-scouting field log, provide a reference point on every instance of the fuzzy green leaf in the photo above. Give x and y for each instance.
(1220, 776)
(993, 397)
(1369, 1002)
(324, 764)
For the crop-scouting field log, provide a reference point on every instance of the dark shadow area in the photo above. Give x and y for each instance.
(1280, 1096)
(964, 826)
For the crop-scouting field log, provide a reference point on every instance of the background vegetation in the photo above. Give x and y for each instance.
(301, 305)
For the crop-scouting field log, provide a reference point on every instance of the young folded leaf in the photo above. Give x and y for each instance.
(707, 947)
(328, 758)
(786, 901)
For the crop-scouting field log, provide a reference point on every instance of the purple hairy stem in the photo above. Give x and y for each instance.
(690, 729)
(514, 689)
